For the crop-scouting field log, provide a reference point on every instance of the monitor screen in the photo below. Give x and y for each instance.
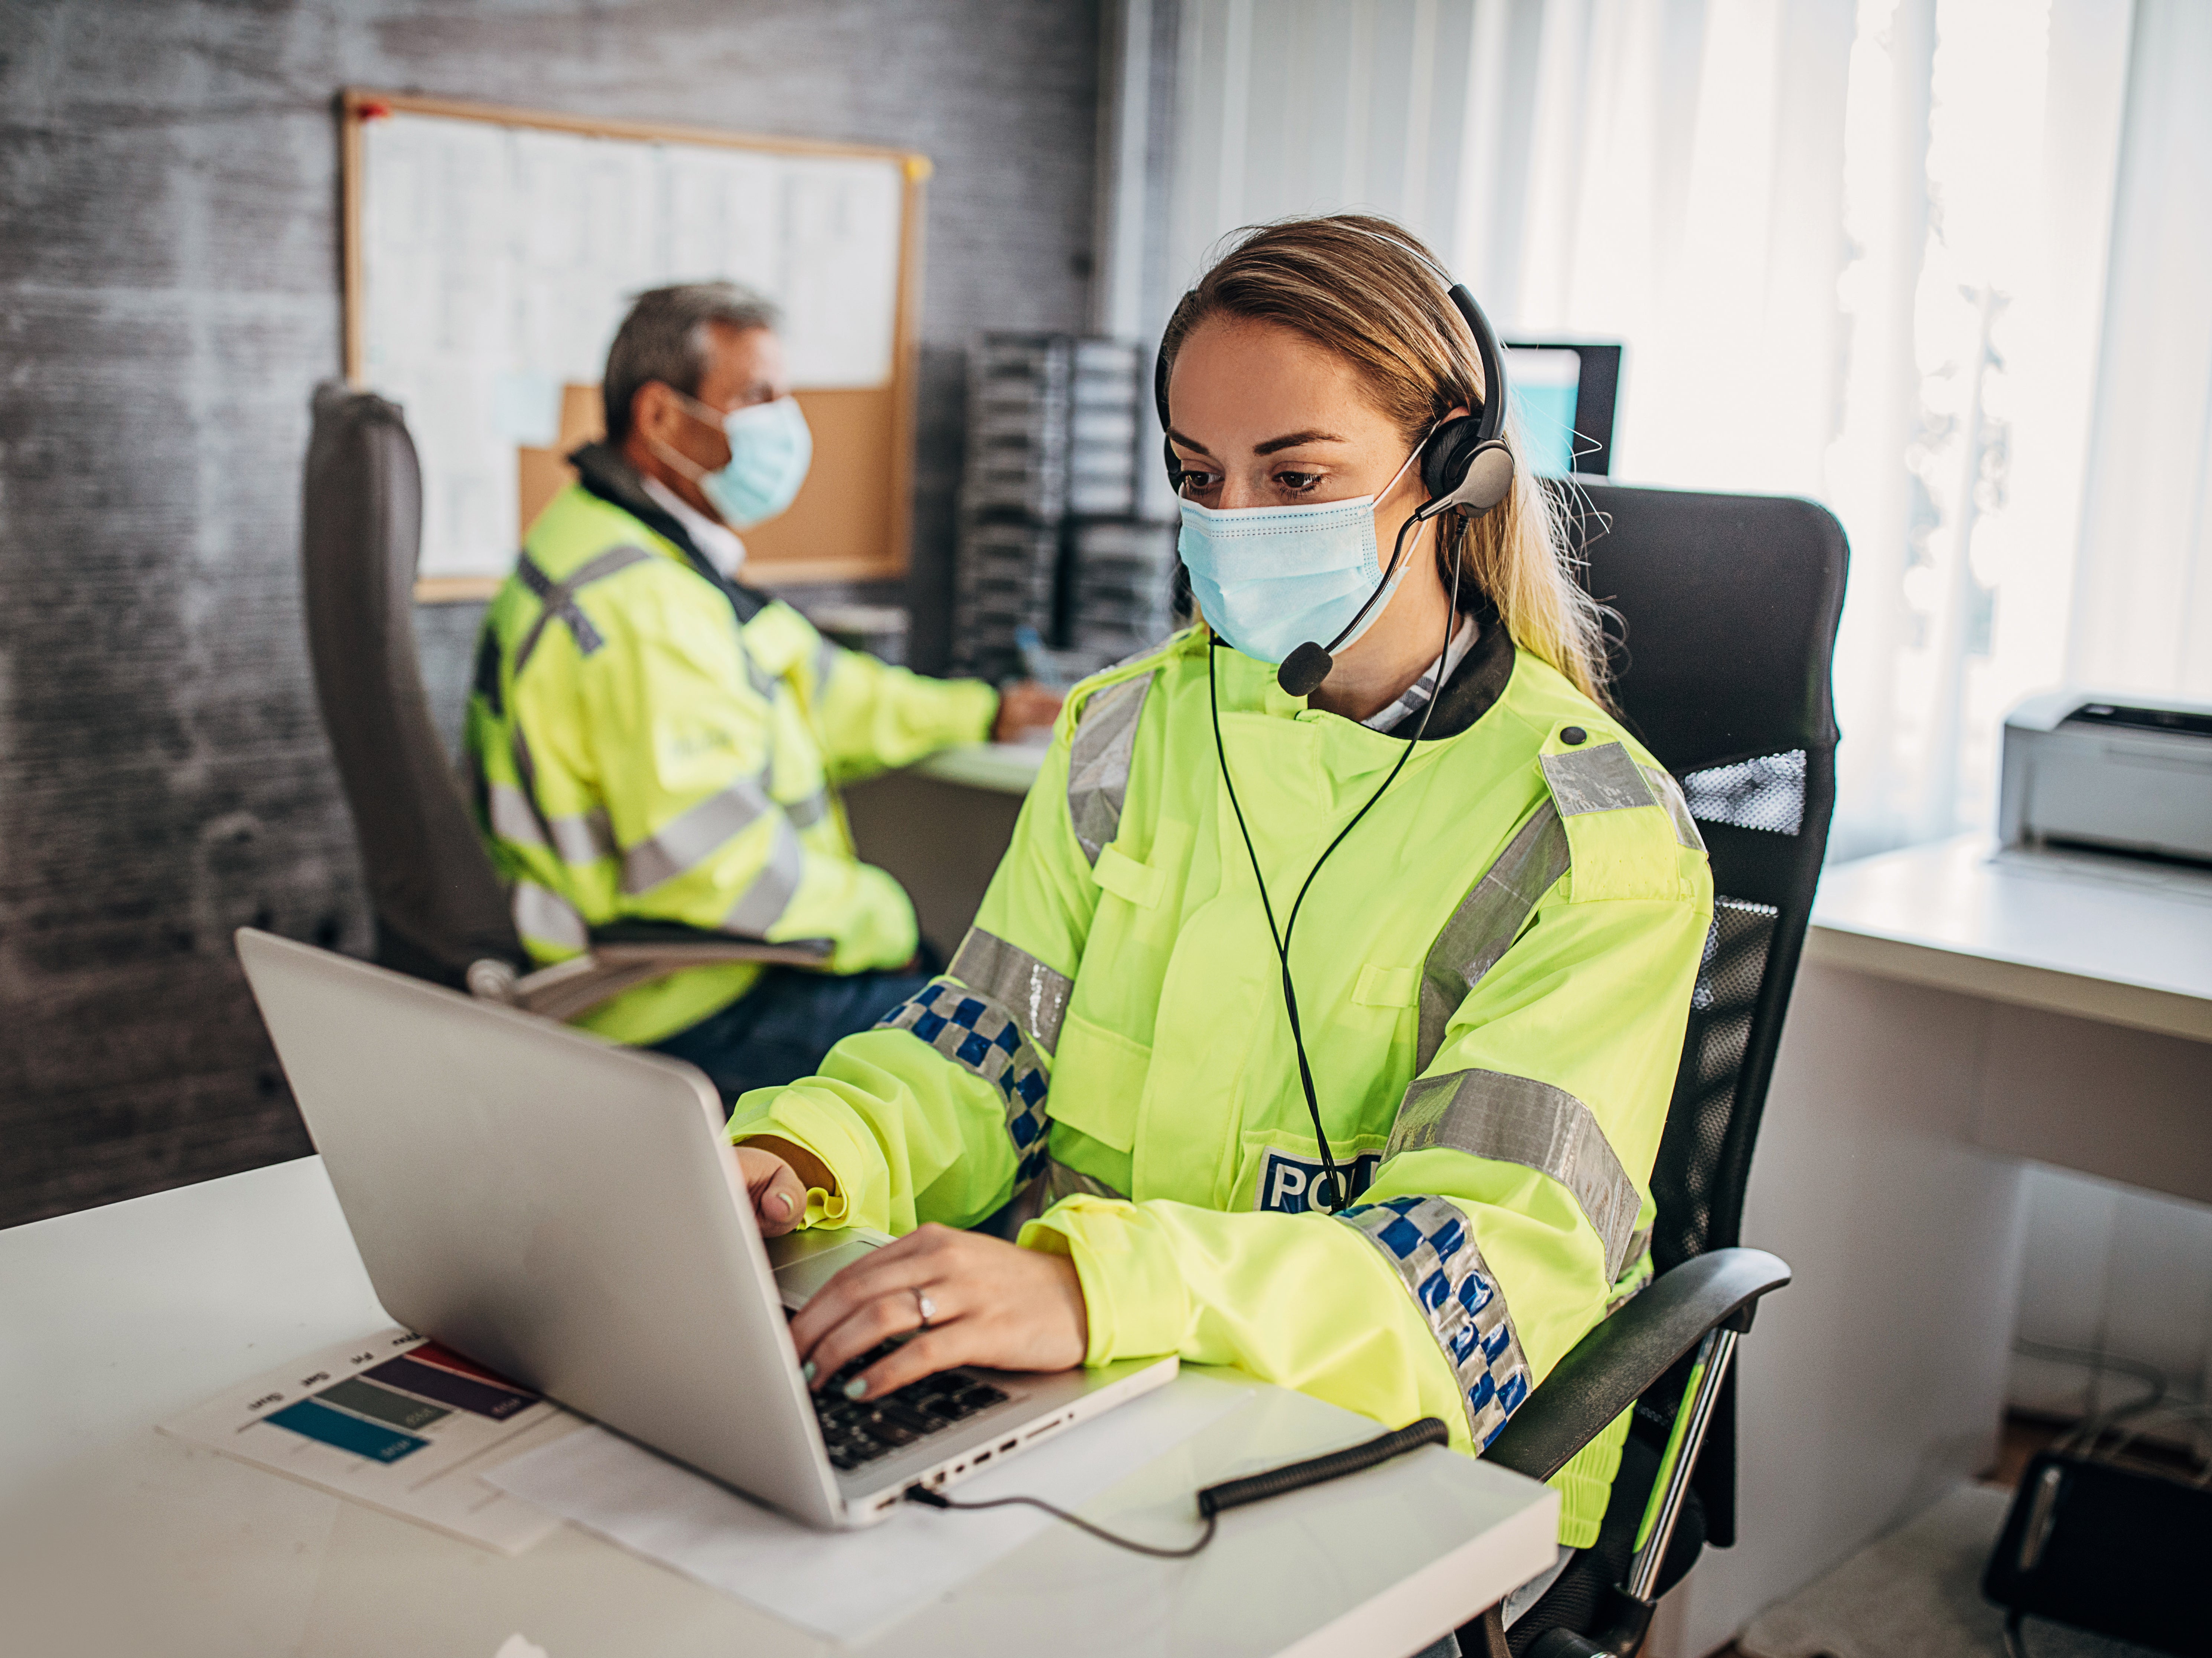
(1563, 393)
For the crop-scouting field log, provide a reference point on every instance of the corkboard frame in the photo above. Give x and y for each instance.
(856, 470)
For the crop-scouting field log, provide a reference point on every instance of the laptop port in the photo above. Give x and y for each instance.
(1009, 1444)
(981, 1457)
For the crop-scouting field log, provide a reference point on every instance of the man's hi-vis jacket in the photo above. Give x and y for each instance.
(649, 740)
(1493, 974)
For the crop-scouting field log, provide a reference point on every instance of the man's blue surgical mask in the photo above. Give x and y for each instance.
(1268, 579)
(770, 449)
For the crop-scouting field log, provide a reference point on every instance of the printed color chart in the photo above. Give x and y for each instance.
(394, 1421)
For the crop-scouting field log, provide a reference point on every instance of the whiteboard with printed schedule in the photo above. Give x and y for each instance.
(491, 254)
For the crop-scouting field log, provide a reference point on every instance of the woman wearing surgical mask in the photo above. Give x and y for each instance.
(1489, 903)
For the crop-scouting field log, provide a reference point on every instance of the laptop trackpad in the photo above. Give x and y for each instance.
(805, 1261)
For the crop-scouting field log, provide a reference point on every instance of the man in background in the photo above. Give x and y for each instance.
(653, 739)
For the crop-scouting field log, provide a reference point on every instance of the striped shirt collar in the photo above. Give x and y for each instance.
(1416, 696)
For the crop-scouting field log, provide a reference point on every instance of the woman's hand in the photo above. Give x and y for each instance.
(778, 1191)
(991, 1303)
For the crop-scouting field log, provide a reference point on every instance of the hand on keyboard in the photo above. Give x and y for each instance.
(988, 1303)
(858, 1431)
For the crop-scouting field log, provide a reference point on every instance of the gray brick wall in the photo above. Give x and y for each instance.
(168, 295)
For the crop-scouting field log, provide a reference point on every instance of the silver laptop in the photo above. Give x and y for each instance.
(555, 1207)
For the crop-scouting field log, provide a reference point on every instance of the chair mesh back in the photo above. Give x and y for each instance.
(1726, 608)
(1694, 1161)
(437, 902)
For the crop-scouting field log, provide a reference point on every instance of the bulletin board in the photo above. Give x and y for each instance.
(492, 253)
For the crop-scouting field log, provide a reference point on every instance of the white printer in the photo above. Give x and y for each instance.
(2113, 774)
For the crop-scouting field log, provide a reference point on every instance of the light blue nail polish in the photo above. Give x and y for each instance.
(807, 1369)
(857, 1388)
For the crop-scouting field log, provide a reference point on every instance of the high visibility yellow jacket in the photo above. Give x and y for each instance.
(650, 740)
(1493, 973)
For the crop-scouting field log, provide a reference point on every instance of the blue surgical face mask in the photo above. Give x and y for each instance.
(1268, 579)
(770, 449)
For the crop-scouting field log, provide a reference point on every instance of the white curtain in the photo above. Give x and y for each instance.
(1945, 265)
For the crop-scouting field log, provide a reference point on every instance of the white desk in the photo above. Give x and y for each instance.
(1000, 768)
(117, 1540)
(1954, 1017)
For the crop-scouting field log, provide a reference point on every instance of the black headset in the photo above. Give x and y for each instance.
(1465, 465)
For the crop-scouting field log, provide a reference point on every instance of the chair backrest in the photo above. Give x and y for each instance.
(436, 898)
(1727, 608)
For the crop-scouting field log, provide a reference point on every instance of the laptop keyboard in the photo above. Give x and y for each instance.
(859, 1430)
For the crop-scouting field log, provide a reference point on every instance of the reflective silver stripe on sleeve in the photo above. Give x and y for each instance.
(526, 770)
(1487, 921)
(1098, 762)
(805, 814)
(1429, 1243)
(1062, 1181)
(512, 818)
(825, 663)
(1669, 794)
(1032, 1198)
(583, 838)
(558, 598)
(1508, 1118)
(976, 1033)
(544, 915)
(579, 838)
(1037, 995)
(694, 836)
(771, 892)
(1603, 778)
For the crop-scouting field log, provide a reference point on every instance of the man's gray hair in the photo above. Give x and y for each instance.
(665, 339)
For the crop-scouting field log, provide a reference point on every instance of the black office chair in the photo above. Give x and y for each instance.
(441, 914)
(1726, 607)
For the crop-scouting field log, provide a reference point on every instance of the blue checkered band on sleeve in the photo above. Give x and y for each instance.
(973, 1030)
(1430, 1243)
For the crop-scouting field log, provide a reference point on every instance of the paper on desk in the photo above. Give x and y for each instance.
(847, 1585)
(396, 1422)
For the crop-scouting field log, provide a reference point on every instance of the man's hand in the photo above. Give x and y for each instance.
(992, 1304)
(1025, 707)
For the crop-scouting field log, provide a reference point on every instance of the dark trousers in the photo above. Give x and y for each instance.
(780, 1030)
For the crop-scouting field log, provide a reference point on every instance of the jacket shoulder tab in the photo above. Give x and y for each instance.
(1626, 820)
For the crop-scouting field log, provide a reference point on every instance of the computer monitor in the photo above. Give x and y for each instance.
(1564, 392)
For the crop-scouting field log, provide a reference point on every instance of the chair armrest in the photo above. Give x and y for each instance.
(627, 941)
(1610, 1368)
(625, 956)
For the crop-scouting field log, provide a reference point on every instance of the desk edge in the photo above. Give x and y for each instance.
(2141, 1007)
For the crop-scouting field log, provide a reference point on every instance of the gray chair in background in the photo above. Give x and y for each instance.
(440, 910)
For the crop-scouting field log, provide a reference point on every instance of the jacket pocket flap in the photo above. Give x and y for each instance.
(1098, 1081)
(1125, 877)
(1385, 987)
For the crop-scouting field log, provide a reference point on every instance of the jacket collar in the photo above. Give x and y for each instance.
(1474, 686)
(602, 471)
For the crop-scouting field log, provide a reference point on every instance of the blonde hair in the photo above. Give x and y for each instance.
(1367, 290)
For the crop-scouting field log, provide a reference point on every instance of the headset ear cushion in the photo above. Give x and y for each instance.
(1445, 455)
